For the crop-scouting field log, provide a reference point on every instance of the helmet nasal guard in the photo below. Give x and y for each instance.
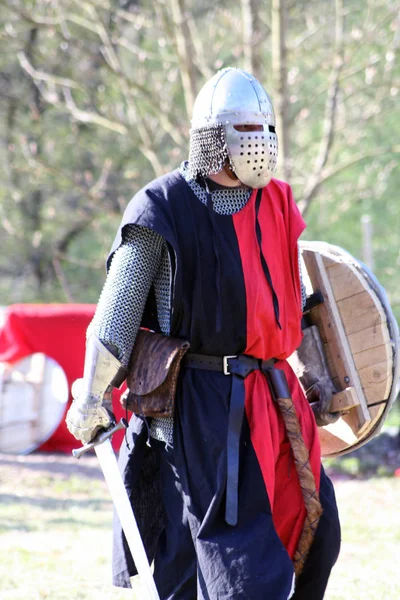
(229, 101)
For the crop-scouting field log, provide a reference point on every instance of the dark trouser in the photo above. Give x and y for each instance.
(209, 560)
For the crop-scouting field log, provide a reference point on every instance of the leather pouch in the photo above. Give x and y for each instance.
(153, 374)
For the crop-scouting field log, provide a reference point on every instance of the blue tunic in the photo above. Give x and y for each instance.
(178, 494)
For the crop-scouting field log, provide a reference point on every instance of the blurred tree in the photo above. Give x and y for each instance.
(96, 98)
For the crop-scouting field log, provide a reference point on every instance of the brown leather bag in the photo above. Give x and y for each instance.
(153, 374)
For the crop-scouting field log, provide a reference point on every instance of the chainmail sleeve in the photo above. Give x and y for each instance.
(122, 301)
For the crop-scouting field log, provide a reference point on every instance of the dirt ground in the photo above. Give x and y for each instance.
(381, 456)
(62, 465)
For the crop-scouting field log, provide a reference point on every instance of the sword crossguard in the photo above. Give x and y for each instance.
(101, 437)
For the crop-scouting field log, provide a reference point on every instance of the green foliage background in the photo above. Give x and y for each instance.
(95, 102)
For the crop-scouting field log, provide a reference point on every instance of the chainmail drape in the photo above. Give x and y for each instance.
(208, 151)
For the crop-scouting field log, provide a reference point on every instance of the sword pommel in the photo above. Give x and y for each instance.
(101, 437)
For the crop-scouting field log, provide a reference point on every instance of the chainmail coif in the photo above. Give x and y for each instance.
(208, 151)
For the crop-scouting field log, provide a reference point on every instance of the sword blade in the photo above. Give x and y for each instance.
(112, 475)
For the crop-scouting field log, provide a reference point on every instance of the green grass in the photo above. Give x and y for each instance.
(55, 534)
(369, 561)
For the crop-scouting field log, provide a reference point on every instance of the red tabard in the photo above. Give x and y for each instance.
(281, 225)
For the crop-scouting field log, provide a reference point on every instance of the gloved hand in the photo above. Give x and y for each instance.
(319, 391)
(86, 417)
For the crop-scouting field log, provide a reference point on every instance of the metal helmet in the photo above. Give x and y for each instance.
(232, 98)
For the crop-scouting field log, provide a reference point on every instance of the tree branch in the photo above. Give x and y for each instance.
(41, 76)
(330, 112)
(89, 117)
(153, 107)
(26, 16)
(62, 279)
(101, 183)
(299, 41)
(137, 51)
(184, 52)
(333, 172)
(198, 46)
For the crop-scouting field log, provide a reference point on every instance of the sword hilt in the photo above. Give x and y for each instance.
(101, 437)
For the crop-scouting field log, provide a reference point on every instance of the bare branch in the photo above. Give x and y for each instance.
(127, 84)
(138, 51)
(152, 157)
(147, 147)
(113, 62)
(330, 112)
(74, 229)
(92, 117)
(333, 172)
(91, 264)
(197, 42)
(102, 180)
(62, 279)
(26, 16)
(299, 41)
(41, 76)
(89, 117)
(184, 52)
(349, 75)
(145, 20)
(82, 22)
(109, 52)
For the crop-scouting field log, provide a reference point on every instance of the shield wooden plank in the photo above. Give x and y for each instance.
(360, 339)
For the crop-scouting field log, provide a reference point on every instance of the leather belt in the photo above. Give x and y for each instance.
(231, 364)
(239, 367)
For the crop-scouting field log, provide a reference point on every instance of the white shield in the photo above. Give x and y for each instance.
(33, 397)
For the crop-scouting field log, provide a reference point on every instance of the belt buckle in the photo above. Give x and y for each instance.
(225, 363)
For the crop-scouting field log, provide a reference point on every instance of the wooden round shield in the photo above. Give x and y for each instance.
(360, 338)
(33, 397)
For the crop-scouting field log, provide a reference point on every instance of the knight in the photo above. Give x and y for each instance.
(229, 492)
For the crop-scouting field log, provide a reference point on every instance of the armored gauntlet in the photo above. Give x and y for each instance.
(91, 407)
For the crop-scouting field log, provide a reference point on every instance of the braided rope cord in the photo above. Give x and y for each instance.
(306, 479)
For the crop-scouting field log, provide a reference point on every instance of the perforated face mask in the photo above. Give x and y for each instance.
(253, 154)
(233, 99)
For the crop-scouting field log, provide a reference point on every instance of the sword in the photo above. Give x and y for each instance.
(108, 463)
